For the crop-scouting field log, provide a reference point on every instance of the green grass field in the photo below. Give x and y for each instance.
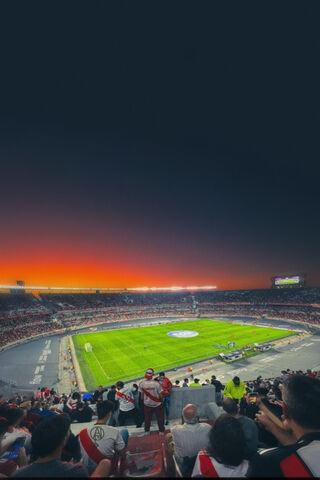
(120, 354)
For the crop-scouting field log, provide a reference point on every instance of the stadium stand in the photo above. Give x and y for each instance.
(22, 316)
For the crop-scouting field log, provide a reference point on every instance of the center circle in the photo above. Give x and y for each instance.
(183, 333)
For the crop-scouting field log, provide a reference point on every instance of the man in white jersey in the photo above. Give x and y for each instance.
(127, 406)
(101, 441)
(152, 401)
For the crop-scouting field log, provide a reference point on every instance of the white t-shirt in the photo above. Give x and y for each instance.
(106, 439)
(122, 395)
(152, 387)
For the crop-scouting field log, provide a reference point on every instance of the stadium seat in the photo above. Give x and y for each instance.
(144, 464)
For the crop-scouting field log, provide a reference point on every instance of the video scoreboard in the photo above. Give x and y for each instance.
(285, 281)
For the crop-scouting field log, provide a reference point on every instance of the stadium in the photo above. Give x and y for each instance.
(72, 341)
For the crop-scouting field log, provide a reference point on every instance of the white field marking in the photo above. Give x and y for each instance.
(99, 364)
(308, 344)
(37, 369)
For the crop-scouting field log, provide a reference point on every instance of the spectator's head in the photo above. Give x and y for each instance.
(196, 380)
(230, 406)
(301, 396)
(236, 381)
(50, 436)
(162, 375)
(226, 441)
(262, 392)
(113, 387)
(76, 396)
(104, 409)
(177, 382)
(135, 386)
(213, 377)
(15, 416)
(119, 385)
(100, 388)
(189, 414)
(186, 380)
(149, 374)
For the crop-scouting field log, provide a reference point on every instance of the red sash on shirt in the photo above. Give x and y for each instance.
(91, 450)
(123, 395)
(293, 466)
(155, 399)
(206, 467)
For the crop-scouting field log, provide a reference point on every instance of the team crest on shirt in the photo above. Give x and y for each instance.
(97, 433)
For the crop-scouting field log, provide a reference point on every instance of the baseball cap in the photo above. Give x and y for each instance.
(149, 373)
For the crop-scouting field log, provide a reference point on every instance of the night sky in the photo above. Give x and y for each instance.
(159, 143)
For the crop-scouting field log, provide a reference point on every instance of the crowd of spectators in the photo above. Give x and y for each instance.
(287, 296)
(100, 300)
(71, 319)
(19, 304)
(14, 329)
(305, 314)
(268, 428)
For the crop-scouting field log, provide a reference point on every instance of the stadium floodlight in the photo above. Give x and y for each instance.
(172, 289)
(101, 289)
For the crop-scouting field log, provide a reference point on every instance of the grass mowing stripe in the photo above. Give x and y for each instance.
(122, 356)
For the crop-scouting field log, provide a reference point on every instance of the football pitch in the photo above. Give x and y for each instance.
(125, 354)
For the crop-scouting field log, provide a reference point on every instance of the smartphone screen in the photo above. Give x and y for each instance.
(14, 450)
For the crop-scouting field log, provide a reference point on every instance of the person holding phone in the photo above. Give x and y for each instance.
(12, 455)
(298, 433)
